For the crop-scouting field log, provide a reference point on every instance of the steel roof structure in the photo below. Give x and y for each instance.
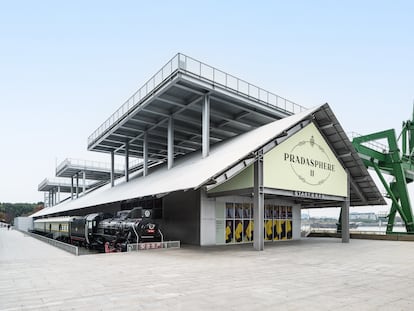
(176, 92)
(93, 170)
(230, 157)
(49, 184)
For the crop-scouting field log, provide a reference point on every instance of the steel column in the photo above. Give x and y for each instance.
(71, 188)
(258, 203)
(77, 185)
(345, 213)
(206, 126)
(145, 154)
(127, 161)
(112, 169)
(170, 142)
(84, 182)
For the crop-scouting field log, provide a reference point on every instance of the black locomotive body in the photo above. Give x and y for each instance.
(103, 231)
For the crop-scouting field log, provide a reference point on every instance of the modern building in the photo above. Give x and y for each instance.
(224, 161)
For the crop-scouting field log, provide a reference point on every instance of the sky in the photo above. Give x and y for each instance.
(66, 66)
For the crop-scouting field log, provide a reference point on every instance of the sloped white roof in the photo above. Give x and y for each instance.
(188, 172)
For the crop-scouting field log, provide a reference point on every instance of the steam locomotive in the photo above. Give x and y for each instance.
(102, 231)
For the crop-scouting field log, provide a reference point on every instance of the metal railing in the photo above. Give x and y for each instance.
(74, 250)
(162, 75)
(370, 144)
(62, 182)
(153, 245)
(87, 164)
(217, 76)
(181, 62)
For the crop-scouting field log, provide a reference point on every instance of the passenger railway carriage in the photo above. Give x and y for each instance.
(54, 227)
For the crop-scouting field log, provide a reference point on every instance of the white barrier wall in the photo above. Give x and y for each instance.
(23, 223)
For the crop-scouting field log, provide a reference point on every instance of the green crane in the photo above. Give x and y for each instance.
(394, 162)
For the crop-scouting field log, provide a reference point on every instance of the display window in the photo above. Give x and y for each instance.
(238, 210)
(268, 230)
(229, 210)
(229, 231)
(288, 229)
(283, 232)
(238, 231)
(247, 212)
(248, 228)
(237, 226)
(276, 229)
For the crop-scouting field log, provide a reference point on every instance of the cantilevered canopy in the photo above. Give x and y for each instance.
(93, 170)
(63, 184)
(230, 157)
(177, 91)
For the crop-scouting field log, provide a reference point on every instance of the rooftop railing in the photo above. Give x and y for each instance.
(61, 182)
(162, 75)
(217, 76)
(86, 164)
(194, 67)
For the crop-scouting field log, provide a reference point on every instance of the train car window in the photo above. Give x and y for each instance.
(90, 224)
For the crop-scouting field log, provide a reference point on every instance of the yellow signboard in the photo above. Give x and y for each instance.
(305, 163)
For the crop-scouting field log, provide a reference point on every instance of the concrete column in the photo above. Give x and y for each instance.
(258, 204)
(83, 182)
(77, 185)
(112, 168)
(44, 199)
(170, 142)
(145, 154)
(58, 199)
(71, 188)
(127, 161)
(345, 215)
(206, 126)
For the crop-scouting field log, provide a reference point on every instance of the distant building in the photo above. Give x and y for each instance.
(363, 216)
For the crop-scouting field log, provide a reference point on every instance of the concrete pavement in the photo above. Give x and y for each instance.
(311, 274)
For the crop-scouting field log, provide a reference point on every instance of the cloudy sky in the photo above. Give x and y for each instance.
(66, 66)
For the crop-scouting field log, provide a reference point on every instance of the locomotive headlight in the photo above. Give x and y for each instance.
(151, 228)
(147, 213)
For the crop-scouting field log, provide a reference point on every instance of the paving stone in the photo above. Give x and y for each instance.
(311, 274)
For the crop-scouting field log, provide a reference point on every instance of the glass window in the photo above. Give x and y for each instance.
(229, 231)
(238, 231)
(246, 211)
(238, 210)
(229, 210)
